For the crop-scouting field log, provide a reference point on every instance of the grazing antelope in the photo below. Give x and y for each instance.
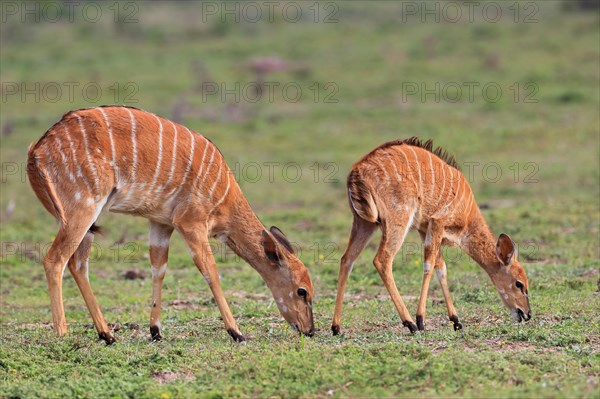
(130, 161)
(406, 184)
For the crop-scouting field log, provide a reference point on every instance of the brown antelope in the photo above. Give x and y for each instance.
(406, 184)
(130, 161)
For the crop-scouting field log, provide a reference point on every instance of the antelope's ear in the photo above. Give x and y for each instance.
(506, 250)
(279, 236)
(270, 247)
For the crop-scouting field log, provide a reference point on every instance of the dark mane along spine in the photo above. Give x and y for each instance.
(428, 146)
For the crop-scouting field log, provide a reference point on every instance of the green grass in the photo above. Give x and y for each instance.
(369, 54)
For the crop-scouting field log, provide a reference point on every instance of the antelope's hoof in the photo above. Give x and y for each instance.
(420, 323)
(106, 337)
(335, 329)
(411, 326)
(237, 337)
(155, 333)
(457, 325)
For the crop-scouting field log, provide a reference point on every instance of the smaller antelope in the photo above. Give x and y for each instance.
(405, 185)
(130, 161)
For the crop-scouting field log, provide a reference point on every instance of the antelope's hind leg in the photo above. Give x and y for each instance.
(67, 241)
(362, 231)
(78, 266)
(391, 241)
(440, 269)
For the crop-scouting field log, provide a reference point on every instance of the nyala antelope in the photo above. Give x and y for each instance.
(405, 185)
(130, 161)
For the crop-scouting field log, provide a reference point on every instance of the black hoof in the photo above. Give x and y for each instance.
(411, 326)
(420, 324)
(106, 337)
(335, 329)
(457, 324)
(237, 337)
(155, 333)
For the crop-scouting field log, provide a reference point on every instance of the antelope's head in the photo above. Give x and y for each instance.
(289, 282)
(510, 279)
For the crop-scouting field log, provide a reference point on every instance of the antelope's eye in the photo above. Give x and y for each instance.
(302, 292)
(519, 285)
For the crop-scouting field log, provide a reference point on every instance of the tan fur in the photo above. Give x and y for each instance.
(406, 184)
(130, 161)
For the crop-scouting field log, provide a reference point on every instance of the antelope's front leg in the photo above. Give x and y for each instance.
(159, 252)
(196, 238)
(432, 243)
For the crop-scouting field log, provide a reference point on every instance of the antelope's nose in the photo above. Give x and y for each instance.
(310, 332)
(527, 316)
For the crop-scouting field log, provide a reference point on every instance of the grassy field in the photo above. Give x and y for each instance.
(533, 152)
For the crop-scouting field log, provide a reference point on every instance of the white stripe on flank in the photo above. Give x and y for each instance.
(159, 160)
(457, 191)
(462, 196)
(63, 157)
(437, 206)
(75, 161)
(174, 157)
(444, 209)
(387, 177)
(134, 148)
(391, 158)
(419, 170)
(112, 146)
(197, 179)
(471, 198)
(220, 201)
(212, 189)
(432, 175)
(87, 152)
(188, 168)
(212, 156)
(399, 149)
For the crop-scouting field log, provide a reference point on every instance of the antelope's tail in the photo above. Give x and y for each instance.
(43, 186)
(360, 198)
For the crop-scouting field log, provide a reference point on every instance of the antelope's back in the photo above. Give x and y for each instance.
(139, 162)
(410, 176)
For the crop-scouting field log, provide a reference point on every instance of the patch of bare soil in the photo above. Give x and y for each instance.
(35, 326)
(164, 377)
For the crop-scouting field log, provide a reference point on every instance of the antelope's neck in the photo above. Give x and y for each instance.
(244, 236)
(480, 245)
